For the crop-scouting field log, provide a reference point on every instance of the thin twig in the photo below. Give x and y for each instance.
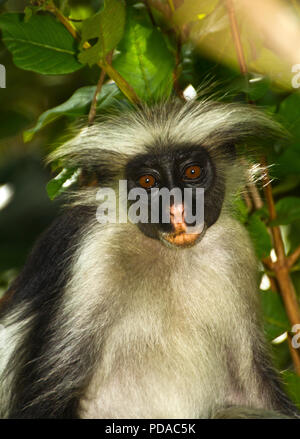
(93, 108)
(236, 37)
(255, 195)
(247, 200)
(268, 263)
(64, 20)
(292, 259)
(171, 5)
(281, 267)
(150, 12)
(176, 71)
(273, 284)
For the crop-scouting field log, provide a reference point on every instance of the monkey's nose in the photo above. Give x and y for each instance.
(177, 213)
(177, 218)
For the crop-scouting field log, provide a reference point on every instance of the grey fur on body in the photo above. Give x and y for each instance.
(167, 333)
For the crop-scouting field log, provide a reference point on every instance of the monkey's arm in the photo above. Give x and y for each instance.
(29, 319)
(272, 386)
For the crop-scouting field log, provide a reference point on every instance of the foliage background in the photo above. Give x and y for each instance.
(151, 50)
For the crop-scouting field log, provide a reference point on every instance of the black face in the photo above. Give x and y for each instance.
(185, 167)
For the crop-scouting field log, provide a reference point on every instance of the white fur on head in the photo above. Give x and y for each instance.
(121, 136)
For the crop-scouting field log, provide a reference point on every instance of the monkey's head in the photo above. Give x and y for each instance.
(186, 151)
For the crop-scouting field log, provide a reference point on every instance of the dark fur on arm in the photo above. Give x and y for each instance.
(37, 291)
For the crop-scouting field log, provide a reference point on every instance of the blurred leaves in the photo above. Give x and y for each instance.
(41, 44)
(12, 122)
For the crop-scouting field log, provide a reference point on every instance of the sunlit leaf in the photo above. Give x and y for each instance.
(145, 61)
(107, 26)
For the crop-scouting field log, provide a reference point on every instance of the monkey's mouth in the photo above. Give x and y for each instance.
(182, 239)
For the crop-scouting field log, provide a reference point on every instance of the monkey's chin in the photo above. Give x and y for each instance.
(181, 239)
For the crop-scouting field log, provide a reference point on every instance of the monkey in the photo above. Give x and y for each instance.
(124, 319)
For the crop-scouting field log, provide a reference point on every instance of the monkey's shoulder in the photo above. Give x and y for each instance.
(47, 267)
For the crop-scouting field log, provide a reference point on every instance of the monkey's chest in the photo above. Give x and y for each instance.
(163, 358)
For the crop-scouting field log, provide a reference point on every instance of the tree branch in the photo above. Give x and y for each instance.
(176, 71)
(64, 20)
(150, 13)
(93, 108)
(236, 37)
(292, 259)
(255, 195)
(282, 265)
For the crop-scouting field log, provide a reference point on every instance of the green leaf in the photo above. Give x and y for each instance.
(65, 177)
(292, 386)
(255, 86)
(78, 104)
(275, 318)
(240, 210)
(145, 61)
(260, 236)
(287, 184)
(107, 26)
(289, 161)
(289, 113)
(288, 211)
(42, 44)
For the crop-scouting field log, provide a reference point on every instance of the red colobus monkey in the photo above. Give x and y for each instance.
(123, 320)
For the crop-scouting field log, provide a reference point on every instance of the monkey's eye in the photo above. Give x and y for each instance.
(147, 181)
(192, 172)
